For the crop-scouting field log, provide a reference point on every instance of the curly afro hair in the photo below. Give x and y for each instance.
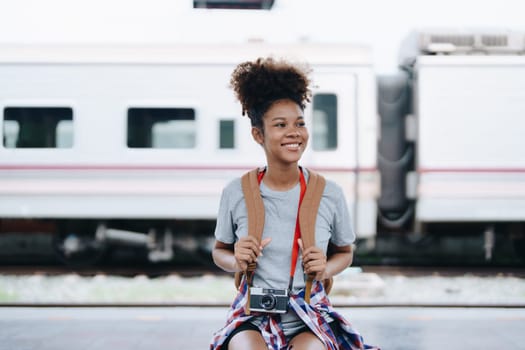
(258, 84)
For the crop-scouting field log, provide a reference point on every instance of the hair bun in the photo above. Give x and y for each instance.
(257, 84)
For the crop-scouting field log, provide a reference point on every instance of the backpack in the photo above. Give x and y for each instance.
(307, 217)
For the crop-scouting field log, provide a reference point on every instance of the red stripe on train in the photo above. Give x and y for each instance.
(161, 167)
(470, 170)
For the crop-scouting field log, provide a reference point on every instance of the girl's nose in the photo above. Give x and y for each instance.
(294, 133)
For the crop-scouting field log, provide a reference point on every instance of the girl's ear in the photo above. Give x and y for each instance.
(257, 135)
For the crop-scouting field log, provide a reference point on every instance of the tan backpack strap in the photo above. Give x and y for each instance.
(310, 207)
(254, 203)
(255, 213)
(308, 216)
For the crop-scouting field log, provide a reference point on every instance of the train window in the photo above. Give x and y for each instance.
(161, 128)
(324, 125)
(226, 134)
(38, 127)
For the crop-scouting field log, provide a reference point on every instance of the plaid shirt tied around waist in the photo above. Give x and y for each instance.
(311, 314)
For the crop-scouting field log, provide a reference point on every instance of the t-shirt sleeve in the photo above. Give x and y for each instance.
(343, 232)
(225, 227)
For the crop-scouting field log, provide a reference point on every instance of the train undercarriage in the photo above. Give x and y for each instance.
(88, 243)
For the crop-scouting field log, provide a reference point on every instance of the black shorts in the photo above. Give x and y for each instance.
(248, 326)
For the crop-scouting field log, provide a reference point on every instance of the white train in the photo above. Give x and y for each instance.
(133, 144)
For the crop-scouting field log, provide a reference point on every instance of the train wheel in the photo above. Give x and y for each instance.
(519, 248)
(517, 235)
(77, 246)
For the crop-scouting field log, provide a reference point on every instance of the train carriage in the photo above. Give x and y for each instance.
(133, 144)
(451, 153)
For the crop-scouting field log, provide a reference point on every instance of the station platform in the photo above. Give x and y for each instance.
(163, 328)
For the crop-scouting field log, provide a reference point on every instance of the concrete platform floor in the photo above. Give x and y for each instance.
(137, 328)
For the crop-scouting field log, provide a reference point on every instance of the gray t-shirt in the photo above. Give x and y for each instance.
(273, 268)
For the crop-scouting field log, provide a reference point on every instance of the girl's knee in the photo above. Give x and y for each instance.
(306, 341)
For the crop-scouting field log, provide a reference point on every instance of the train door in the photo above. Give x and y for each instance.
(332, 121)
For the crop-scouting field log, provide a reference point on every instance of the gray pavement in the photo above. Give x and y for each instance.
(393, 328)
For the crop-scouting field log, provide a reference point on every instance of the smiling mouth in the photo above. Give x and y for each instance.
(292, 146)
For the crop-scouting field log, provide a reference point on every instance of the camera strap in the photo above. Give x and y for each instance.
(297, 233)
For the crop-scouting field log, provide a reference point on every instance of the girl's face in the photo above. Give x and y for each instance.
(285, 135)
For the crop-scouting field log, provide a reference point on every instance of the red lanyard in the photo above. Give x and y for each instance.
(297, 234)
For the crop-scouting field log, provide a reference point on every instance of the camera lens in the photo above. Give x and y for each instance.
(268, 301)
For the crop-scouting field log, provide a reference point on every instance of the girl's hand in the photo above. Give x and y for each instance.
(314, 261)
(247, 250)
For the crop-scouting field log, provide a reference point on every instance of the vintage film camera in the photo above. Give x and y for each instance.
(269, 300)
